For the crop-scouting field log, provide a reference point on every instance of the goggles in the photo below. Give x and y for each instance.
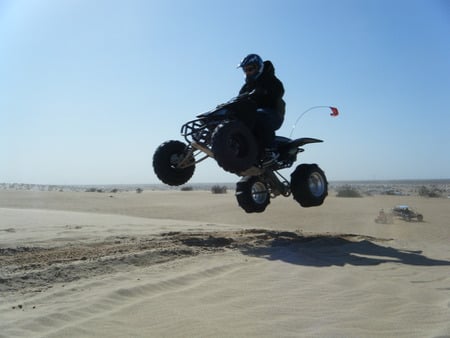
(249, 69)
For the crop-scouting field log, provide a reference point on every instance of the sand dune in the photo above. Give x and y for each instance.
(192, 264)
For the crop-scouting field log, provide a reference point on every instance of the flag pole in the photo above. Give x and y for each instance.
(334, 113)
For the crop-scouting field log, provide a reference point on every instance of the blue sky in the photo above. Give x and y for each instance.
(89, 89)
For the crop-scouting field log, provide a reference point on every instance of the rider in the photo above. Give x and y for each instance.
(267, 91)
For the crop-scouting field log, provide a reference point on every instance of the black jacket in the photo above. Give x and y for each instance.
(268, 88)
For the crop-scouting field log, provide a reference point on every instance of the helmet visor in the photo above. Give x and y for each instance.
(250, 69)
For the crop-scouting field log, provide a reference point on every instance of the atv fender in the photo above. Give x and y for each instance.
(302, 141)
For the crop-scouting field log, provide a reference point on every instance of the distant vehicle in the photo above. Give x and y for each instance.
(407, 213)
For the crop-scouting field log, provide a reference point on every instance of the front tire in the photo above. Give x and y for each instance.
(234, 147)
(309, 185)
(252, 194)
(166, 162)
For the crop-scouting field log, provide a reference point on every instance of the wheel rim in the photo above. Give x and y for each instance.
(237, 146)
(316, 184)
(175, 160)
(259, 193)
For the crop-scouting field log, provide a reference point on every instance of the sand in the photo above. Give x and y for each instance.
(193, 264)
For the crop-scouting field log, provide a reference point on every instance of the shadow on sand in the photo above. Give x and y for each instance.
(338, 249)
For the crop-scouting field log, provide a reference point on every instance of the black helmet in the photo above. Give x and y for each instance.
(253, 60)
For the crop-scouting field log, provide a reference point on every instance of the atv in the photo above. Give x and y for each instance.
(225, 134)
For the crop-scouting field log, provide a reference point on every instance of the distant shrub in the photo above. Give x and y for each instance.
(139, 190)
(94, 190)
(187, 188)
(217, 189)
(426, 192)
(348, 191)
(115, 190)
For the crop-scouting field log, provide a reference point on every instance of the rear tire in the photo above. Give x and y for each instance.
(165, 163)
(252, 194)
(309, 185)
(234, 147)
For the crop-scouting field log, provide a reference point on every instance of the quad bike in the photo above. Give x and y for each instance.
(225, 135)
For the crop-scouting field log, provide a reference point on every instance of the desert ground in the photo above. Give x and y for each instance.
(193, 264)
